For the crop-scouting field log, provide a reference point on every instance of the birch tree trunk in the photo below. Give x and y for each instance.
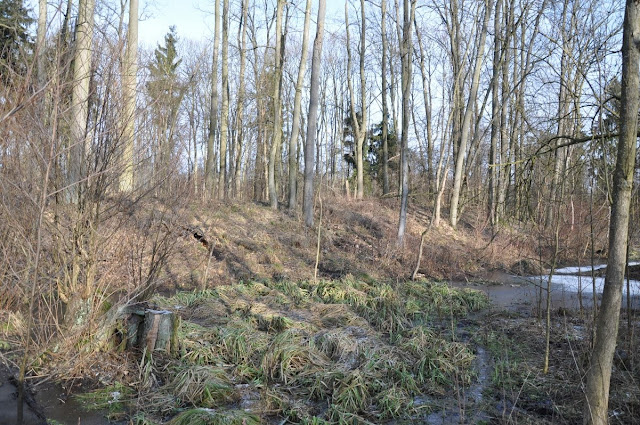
(277, 113)
(316, 61)
(599, 373)
(129, 96)
(213, 114)
(295, 128)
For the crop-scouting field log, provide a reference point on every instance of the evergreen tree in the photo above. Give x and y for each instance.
(165, 91)
(14, 36)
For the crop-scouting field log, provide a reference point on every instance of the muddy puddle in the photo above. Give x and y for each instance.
(43, 403)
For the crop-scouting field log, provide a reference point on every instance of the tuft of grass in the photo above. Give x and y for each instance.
(289, 356)
(202, 386)
(213, 417)
(352, 393)
(338, 345)
(240, 343)
(438, 361)
(112, 398)
(185, 298)
(394, 402)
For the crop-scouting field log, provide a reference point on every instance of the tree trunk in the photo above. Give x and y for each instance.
(80, 99)
(599, 373)
(385, 108)
(224, 114)
(363, 102)
(277, 113)
(129, 95)
(40, 43)
(466, 122)
(295, 128)
(213, 113)
(359, 126)
(406, 113)
(495, 112)
(313, 116)
(241, 95)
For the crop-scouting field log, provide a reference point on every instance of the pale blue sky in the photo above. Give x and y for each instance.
(193, 18)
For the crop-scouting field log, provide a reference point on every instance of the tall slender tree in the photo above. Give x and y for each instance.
(313, 116)
(406, 52)
(80, 99)
(224, 114)
(466, 120)
(599, 373)
(295, 126)
(277, 113)
(129, 97)
(209, 170)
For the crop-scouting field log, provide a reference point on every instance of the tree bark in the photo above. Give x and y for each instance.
(313, 116)
(385, 108)
(129, 97)
(241, 96)
(213, 113)
(599, 373)
(408, 16)
(224, 114)
(466, 122)
(41, 36)
(295, 128)
(80, 99)
(277, 113)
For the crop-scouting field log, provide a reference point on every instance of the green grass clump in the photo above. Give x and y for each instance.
(352, 393)
(113, 398)
(438, 361)
(185, 298)
(290, 355)
(240, 343)
(213, 417)
(394, 402)
(202, 386)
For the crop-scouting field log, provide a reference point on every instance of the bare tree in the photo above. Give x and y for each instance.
(359, 122)
(80, 98)
(295, 127)
(406, 51)
(313, 116)
(466, 121)
(224, 114)
(129, 98)
(385, 107)
(213, 114)
(277, 113)
(599, 373)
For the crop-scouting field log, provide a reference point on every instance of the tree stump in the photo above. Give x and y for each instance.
(153, 330)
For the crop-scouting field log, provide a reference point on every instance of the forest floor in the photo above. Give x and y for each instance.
(262, 341)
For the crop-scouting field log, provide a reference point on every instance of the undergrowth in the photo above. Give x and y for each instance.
(332, 352)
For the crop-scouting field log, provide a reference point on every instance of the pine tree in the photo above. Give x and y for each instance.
(14, 36)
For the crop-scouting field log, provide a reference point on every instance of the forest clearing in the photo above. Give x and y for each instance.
(372, 212)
